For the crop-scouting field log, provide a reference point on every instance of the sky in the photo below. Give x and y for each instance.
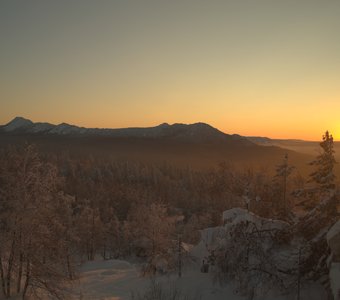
(256, 68)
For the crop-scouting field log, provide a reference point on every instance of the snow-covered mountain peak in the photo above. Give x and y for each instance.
(163, 125)
(17, 123)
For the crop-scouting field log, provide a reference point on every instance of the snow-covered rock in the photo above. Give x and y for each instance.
(209, 240)
(333, 239)
(237, 215)
(334, 275)
(212, 237)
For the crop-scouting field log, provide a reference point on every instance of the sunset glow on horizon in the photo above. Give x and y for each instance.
(254, 68)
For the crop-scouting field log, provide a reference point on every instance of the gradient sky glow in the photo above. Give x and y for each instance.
(256, 67)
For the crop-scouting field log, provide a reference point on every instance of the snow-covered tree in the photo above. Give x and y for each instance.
(245, 254)
(32, 248)
(324, 163)
(90, 231)
(151, 231)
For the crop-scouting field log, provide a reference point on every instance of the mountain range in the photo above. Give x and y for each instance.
(195, 145)
(193, 132)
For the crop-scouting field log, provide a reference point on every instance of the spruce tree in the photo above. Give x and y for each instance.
(282, 173)
(324, 163)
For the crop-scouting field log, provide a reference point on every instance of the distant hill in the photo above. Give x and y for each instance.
(311, 148)
(196, 145)
(307, 147)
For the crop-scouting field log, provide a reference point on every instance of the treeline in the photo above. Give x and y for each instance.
(59, 210)
(122, 184)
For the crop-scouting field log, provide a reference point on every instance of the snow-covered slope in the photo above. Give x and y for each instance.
(118, 280)
(41, 127)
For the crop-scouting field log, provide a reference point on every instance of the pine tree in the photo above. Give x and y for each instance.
(325, 162)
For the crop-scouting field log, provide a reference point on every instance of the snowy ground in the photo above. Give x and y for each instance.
(117, 280)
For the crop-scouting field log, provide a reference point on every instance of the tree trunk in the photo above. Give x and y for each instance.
(27, 280)
(69, 268)
(299, 276)
(92, 236)
(284, 194)
(9, 270)
(21, 258)
(179, 256)
(3, 280)
(104, 251)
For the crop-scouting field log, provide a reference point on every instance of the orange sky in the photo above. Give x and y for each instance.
(267, 68)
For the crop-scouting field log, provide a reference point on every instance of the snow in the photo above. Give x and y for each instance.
(212, 237)
(209, 240)
(64, 128)
(334, 275)
(334, 231)
(111, 279)
(231, 214)
(118, 279)
(237, 215)
(333, 239)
